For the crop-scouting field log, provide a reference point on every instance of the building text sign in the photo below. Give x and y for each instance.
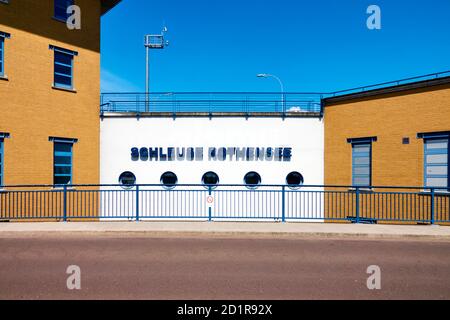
(211, 154)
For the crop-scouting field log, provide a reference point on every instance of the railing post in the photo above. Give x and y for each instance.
(432, 205)
(283, 203)
(357, 204)
(209, 205)
(137, 203)
(65, 203)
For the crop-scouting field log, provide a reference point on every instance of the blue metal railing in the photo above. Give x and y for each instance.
(242, 102)
(211, 102)
(226, 202)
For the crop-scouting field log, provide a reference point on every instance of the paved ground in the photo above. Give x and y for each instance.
(235, 267)
(220, 229)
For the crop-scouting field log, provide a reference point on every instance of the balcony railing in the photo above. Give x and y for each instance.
(228, 102)
(306, 104)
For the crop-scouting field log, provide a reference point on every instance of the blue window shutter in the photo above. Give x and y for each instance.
(436, 162)
(362, 164)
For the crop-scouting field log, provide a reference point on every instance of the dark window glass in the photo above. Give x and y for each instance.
(127, 179)
(252, 179)
(62, 81)
(210, 179)
(62, 158)
(294, 179)
(1, 55)
(61, 9)
(61, 180)
(169, 179)
(63, 58)
(63, 69)
(1, 162)
(63, 170)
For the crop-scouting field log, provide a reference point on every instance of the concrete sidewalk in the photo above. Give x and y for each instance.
(223, 229)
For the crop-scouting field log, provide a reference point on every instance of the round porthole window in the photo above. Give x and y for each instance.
(127, 180)
(169, 180)
(210, 179)
(294, 180)
(252, 180)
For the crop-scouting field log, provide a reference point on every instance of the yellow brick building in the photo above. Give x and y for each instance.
(49, 92)
(395, 117)
(393, 136)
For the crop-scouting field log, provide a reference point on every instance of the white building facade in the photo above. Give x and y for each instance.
(253, 152)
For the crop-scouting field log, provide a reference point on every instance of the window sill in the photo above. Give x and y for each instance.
(4, 77)
(64, 89)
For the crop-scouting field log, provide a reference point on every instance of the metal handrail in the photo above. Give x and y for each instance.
(247, 102)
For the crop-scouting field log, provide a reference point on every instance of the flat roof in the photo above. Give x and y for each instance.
(108, 5)
(385, 90)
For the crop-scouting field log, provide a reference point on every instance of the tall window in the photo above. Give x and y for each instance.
(436, 159)
(2, 45)
(362, 161)
(61, 9)
(63, 68)
(1, 161)
(3, 36)
(62, 169)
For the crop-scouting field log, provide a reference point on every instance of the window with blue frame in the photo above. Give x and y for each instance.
(63, 67)
(62, 162)
(362, 161)
(61, 6)
(2, 45)
(436, 159)
(1, 161)
(3, 36)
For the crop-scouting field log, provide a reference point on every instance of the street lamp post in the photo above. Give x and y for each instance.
(266, 75)
(152, 41)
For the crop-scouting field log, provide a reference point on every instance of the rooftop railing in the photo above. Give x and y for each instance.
(301, 103)
(211, 102)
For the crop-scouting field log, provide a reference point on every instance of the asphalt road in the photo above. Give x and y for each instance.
(114, 267)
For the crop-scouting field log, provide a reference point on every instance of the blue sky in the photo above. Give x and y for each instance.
(320, 45)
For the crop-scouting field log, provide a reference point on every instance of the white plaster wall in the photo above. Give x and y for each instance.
(304, 135)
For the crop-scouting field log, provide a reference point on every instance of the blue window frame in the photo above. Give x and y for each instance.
(362, 161)
(3, 36)
(2, 45)
(362, 164)
(62, 162)
(61, 6)
(63, 67)
(1, 161)
(436, 159)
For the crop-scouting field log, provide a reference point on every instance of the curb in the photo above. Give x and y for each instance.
(222, 234)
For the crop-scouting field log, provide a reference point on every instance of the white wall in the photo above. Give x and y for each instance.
(304, 135)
